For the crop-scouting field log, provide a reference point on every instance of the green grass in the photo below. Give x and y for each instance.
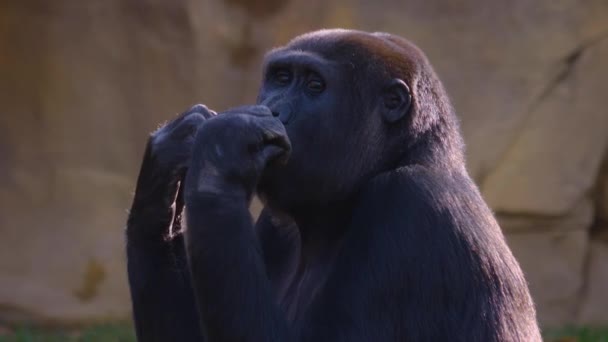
(578, 335)
(124, 333)
(101, 333)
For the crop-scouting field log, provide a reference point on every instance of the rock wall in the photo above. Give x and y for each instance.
(82, 83)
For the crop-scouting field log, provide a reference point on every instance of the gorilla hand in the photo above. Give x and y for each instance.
(172, 143)
(231, 151)
(164, 164)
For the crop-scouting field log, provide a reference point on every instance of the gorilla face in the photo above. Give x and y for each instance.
(307, 93)
(338, 112)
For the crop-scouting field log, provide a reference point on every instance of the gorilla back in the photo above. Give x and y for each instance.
(372, 230)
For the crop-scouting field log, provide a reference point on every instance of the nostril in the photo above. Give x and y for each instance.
(275, 114)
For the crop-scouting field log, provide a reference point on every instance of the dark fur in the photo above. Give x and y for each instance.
(372, 231)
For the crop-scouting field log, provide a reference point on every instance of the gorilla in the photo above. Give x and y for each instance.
(372, 229)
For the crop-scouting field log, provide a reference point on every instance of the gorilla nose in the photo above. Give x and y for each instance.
(283, 112)
(280, 109)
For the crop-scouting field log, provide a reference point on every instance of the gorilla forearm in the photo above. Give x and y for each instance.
(151, 214)
(161, 291)
(233, 291)
(163, 301)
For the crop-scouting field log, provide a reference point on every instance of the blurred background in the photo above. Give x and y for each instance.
(82, 83)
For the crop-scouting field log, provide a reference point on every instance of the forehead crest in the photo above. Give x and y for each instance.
(395, 55)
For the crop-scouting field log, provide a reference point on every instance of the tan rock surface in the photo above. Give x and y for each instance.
(594, 306)
(553, 253)
(555, 159)
(81, 87)
(82, 84)
(553, 263)
(602, 193)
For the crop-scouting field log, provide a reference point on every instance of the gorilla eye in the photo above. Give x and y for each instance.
(282, 77)
(315, 85)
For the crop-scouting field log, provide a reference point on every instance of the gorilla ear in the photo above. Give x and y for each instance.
(396, 101)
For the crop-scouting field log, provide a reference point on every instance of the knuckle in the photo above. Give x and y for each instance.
(201, 110)
(251, 110)
(194, 119)
(198, 108)
(261, 111)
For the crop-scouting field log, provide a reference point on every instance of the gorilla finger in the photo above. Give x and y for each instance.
(274, 132)
(177, 174)
(254, 110)
(275, 153)
(176, 228)
(188, 126)
(198, 109)
(202, 109)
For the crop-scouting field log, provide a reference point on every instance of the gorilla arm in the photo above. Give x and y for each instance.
(232, 289)
(161, 292)
(163, 301)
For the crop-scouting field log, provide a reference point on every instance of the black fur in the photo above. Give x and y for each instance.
(372, 230)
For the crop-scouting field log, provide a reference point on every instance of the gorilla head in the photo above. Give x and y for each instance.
(354, 104)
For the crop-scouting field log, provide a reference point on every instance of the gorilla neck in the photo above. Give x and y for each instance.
(440, 147)
(320, 236)
(319, 226)
(323, 225)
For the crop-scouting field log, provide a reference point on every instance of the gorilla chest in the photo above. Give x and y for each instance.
(299, 285)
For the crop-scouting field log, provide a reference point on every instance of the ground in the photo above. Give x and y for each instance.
(124, 333)
(100, 333)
